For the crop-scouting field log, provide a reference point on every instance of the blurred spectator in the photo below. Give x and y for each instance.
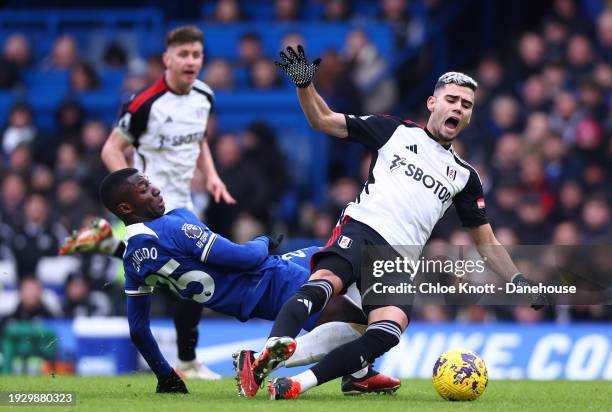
(555, 77)
(336, 85)
(566, 233)
(38, 236)
(68, 163)
(64, 54)
(531, 51)
(535, 95)
(250, 49)
(505, 116)
(218, 75)
(565, 115)
(533, 224)
(596, 222)
(246, 228)
(434, 313)
(556, 166)
(261, 149)
(524, 314)
(476, 313)
(286, 10)
(15, 57)
(568, 13)
(506, 236)
(322, 225)
(93, 137)
(114, 56)
(244, 181)
(533, 181)
(14, 191)
(20, 129)
(83, 78)
(21, 160)
(604, 35)
(570, 201)
(555, 35)
(579, 56)
(70, 117)
(336, 10)
(342, 191)
(227, 11)
(490, 74)
(592, 99)
(72, 204)
(407, 31)
(135, 79)
(17, 51)
(31, 304)
(264, 75)
(42, 180)
(155, 69)
(81, 301)
(366, 67)
(536, 129)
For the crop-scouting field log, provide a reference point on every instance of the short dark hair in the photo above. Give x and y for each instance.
(458, 78)
(113, 187)
(184, 34)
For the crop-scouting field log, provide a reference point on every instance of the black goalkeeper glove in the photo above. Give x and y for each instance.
(274, 241)
(538, 300)
(296, 66)
(171, 384)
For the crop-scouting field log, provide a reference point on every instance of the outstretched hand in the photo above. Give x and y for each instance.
(218, 190)
(297, 67)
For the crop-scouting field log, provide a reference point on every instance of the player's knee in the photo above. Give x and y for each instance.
(315, 294)
(329, 276)
(379, 338)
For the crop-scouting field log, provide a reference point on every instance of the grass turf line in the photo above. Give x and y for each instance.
(136, 393)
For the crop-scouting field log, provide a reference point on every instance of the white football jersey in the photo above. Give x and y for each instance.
(413, 180)
(166, 130)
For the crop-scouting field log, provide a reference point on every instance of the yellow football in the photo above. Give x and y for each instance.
(460, 375)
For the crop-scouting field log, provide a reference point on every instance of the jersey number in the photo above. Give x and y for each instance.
(180, 284)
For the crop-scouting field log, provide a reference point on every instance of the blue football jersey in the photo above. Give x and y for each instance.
(179, 251)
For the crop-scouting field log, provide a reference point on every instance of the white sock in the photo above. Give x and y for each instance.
(306, 379)
(313, 346)
(361, 373)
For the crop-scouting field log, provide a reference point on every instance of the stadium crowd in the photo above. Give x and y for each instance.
(540, 137)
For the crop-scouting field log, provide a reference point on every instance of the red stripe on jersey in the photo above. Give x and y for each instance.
(156, 88)
(337, 230)
(411, 123)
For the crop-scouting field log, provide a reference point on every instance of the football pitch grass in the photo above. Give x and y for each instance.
(136, 393)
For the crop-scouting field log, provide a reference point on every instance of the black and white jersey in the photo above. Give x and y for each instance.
(167, 130)
(413, 180)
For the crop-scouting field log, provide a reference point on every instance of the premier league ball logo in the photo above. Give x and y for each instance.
(192, 231)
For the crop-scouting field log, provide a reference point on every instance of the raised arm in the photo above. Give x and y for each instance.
(317, 112)
(319, 115)
(113, 151)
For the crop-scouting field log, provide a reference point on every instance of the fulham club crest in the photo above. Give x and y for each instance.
(345, 242)
(450, 172)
